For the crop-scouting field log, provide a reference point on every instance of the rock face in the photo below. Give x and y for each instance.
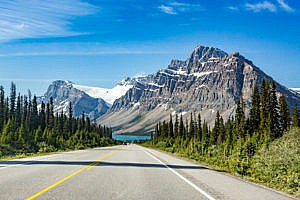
(209, 80)
(63, 93)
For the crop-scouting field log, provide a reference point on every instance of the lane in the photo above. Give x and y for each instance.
(21, 178)
(121, 172)
(219, 185)
(129, 174)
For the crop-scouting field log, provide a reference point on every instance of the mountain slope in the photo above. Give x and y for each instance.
(108, 95)
(209, 80)
(63, 93)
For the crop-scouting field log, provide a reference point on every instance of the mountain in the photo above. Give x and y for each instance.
(295, 90)
(108, 95)
(209, 80)
(93, 101)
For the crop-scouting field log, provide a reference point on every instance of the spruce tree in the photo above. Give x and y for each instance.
(181, 127)
(2, 108)
(192, 127)
(274, 113)
(199, 128)
(255, 110)
(13, 96)
(18, 114)
(171, 131)
(176, 126)
(295, 117)
(284, 113)
(42, 116)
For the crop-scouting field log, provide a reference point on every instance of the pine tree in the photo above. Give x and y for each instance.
(171, 131)
(13, 96)
(274, 114)
(42, 116)
(284, 113)
(181, 127)
(264, 101)
(239, 130)
(18, 114)
(2, 108)
(34, 122)
(295, 117)
(255, 111)
(216, 130)
(176, 126)
(192, 127)
(199, 128)
(70, 118)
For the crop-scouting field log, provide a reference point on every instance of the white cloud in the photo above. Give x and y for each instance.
(285, 6)
(21, 19)
(175, 7)
(233, 8)
(266, 5)
(167, 9)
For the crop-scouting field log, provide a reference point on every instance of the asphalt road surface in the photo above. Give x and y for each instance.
(121, 172)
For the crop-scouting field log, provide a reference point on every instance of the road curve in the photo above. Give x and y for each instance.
(121, 172)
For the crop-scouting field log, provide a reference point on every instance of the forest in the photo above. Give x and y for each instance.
(26, 127)
(264, 146)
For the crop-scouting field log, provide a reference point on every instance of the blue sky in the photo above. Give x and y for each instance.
(98, 42)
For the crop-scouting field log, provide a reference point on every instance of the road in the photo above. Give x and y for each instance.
(121, 172)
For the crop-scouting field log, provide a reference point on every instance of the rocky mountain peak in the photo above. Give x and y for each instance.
(209, 80)
(203, 54)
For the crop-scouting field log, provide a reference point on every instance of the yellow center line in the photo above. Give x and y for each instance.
(88, 167)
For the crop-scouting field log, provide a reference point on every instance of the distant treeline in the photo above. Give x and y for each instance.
(25, 128)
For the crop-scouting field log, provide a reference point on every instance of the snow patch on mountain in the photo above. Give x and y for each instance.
(108, 95)
(295, 90)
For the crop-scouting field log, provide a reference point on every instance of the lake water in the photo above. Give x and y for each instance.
(127, 138)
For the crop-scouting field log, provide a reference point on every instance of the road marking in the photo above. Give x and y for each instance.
(88, 167)
(180, 176)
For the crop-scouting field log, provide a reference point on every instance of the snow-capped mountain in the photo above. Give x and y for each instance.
(108, 95)
(295, 90)
(92, 100)
(209, 80)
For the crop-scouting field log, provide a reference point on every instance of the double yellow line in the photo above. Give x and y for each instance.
(88, 167)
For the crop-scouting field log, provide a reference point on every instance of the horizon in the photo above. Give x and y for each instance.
(98, 44)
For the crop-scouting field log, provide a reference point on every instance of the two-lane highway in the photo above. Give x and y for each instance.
(121, 172)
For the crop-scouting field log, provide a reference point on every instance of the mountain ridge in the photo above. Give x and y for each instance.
(207, 81)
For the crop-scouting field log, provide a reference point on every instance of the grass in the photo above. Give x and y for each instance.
(276, 165)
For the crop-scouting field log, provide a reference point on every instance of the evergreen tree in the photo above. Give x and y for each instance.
(255, 111)
(295, 117)
(70, 118)
(176, 126)
(199, 128)
(13, 95)
(284, 113)
(42, 116)
(171, 131)
(192, 130)
(274, 113)
(18, 114)
(2, 108)
(34, 115)
(181, 127)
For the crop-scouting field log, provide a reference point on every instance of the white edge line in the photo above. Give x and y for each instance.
(182, 177)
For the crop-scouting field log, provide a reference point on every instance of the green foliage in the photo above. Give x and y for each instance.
(254, 147)
(25, 129)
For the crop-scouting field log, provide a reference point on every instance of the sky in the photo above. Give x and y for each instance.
(100, 42)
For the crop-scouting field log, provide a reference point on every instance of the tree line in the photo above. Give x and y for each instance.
(26, 127)
(234, 142)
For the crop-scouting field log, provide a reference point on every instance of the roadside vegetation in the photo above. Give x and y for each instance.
(264, 147)
(26, 129)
